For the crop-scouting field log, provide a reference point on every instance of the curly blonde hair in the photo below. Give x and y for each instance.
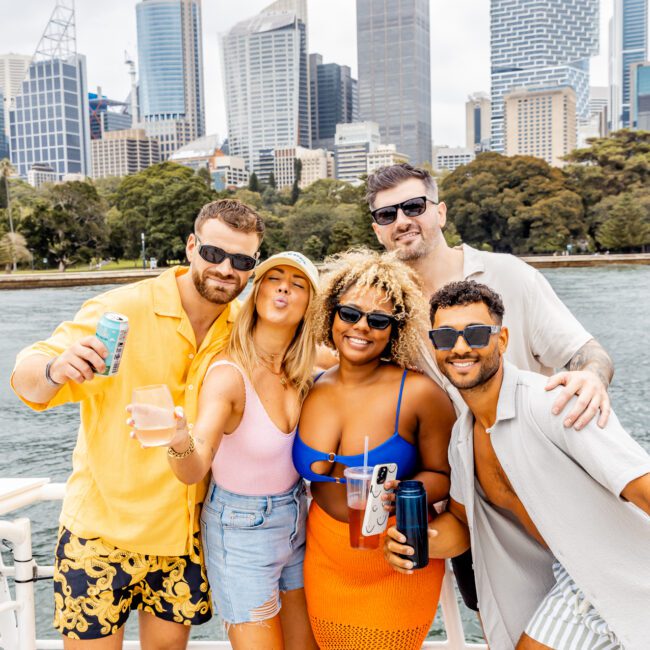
(362, 268)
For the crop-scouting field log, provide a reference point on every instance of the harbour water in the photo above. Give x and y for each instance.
(612, 302)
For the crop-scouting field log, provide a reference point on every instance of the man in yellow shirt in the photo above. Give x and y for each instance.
(128, 528)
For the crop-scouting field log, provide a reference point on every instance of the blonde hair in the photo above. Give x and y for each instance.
(298, 362)
(364, 269)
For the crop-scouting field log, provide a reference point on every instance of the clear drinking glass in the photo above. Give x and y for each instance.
(152, 409)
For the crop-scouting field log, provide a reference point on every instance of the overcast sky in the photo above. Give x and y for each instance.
(460, 47)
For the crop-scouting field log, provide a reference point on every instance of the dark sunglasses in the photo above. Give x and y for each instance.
(216, 255)
(476, 336)
(374, 319)
(411, 208)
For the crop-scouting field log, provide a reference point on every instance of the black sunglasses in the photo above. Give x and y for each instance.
(374, 319)
(411, 208)
(476, 336)
(216, 255)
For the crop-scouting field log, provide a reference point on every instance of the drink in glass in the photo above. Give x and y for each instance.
(357, 481)
(153, 414)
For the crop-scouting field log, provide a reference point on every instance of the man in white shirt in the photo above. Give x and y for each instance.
(561, 559)
(408, 218)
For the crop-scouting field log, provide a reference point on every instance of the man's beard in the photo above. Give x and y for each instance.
(216, 295)
(487, 370)
(409, 253)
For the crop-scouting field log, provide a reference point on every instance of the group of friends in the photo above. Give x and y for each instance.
(441, 358)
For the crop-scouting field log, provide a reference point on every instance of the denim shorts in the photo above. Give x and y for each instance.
(254, 549)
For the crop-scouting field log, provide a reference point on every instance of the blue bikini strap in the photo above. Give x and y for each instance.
(399, 401)
(319, 375)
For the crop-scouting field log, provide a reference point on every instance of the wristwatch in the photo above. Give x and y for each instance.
(48, 376)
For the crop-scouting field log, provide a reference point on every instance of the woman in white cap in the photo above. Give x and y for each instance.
(253, 518)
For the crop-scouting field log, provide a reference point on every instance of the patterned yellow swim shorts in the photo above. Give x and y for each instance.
(96, 585)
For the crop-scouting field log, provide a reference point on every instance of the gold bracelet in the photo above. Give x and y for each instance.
(183, 454)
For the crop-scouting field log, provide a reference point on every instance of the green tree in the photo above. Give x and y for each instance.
(162, 202)
(297, 175)
(13, 249)
(314, 248)
(204, 174)
(254, 183)
(507, 203)
(68, 225)
(624, 222)
(272, 182)
(7, 170)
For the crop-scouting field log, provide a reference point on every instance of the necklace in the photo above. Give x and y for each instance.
(280, 375)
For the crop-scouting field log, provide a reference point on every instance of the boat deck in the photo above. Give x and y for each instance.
(18, 612)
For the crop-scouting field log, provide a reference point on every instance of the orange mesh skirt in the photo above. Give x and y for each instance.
(356, 601)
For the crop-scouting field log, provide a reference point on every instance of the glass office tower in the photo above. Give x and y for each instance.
(540, 44)
(393, 52)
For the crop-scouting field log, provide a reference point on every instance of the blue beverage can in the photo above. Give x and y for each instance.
(412, 520)
(111, 331)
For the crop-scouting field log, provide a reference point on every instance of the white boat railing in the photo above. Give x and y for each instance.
(18, 612)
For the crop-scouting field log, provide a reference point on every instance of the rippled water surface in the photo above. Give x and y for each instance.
(613, 303)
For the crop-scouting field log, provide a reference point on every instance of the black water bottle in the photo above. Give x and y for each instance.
(411, 506)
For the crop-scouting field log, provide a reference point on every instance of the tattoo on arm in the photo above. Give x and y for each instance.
(592, 356)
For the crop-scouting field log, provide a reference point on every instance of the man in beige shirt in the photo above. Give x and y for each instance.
(408, 218)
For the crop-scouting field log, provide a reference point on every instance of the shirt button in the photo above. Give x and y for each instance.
(190, 387)
(190, 356)
(190, 425)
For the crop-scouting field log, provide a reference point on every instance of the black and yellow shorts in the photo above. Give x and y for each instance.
(96, 585)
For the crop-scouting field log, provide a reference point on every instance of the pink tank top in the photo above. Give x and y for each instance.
(255, 459)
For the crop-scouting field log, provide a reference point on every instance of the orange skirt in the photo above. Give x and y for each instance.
(356, 600)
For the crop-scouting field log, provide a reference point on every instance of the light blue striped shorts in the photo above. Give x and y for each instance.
(566, 620)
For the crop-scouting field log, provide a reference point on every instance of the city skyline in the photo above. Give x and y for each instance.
(459, 67)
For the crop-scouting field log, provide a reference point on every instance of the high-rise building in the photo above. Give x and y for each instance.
(265, 71)
(628, 44)
(640, 96)
(4, 140)
(352, 144)
(597, 123)
(541, 123)
(384, 155)
(49, 114)
(119, 153)
(449, 158)
(393, 54)
(334, 100)
(170, 56)
(107, 115)
(13, 68)
(478, 117)
(313, 166)
(537, 44)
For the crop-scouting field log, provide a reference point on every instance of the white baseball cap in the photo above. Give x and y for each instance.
(290, 258)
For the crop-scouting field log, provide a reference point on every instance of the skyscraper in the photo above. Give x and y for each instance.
(540, 44)
(13, 68)
(334, 100)
(541, 123)
(170, 57)
(265, 72)
(49, 116)
(478, 116)
(107, 115)
(393, 54)
(640, 96)
(628, 44)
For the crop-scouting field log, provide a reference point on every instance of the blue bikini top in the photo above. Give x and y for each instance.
(394, 450)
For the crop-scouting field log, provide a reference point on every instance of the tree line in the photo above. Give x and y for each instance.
(599, 201)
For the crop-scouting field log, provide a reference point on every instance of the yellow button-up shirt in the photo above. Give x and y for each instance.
(117, 490)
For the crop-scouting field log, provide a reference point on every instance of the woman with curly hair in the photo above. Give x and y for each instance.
(372, 312)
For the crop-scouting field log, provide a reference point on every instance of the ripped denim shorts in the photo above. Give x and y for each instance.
(254, 549)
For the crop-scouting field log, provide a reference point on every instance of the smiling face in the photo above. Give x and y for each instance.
(359, 343)
(466, 367)
(283, 296)
(220, 283)
(411, 237)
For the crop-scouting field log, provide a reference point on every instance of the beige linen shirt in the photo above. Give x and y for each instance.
(544, 334)
(569, 484)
